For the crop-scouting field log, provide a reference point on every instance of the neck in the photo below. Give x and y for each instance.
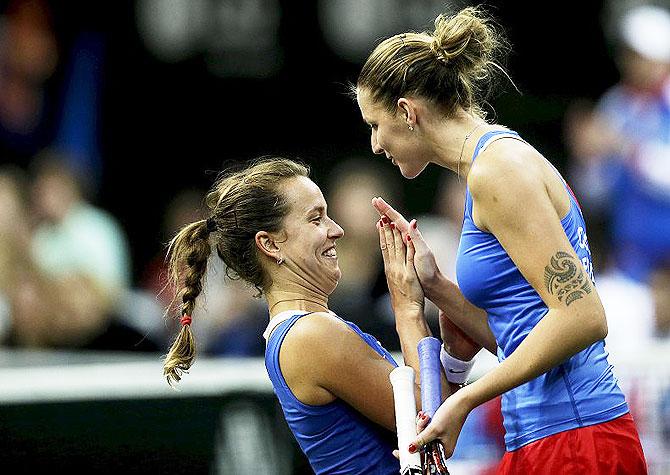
(280, 300)
(453, 141)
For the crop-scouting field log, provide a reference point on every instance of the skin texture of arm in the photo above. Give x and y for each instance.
(527, 224)
(407, 299)
(441, 291)
(323, 359)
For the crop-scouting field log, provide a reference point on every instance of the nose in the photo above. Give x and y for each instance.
(335, 231)
(376, 148)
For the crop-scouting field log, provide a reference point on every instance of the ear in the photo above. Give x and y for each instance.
(408, 110)
(267, 245)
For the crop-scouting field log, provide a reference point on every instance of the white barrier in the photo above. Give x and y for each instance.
(47, 377)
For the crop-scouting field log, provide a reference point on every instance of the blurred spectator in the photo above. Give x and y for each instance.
(28, 58)
(73, 237)
(622, 147)
(362, 295)
(81, 254)
(23, 302)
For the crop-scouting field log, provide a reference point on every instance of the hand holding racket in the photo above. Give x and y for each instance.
(445, 426)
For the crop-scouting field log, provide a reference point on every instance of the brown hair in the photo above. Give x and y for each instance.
(454, 65)
(242, 203)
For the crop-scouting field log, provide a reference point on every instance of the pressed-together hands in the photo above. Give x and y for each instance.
(403, 283)
(411, 268)
(423, 258)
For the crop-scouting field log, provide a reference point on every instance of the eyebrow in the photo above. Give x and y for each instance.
(319, 208)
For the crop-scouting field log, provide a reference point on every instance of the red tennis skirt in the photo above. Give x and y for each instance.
(609, 448)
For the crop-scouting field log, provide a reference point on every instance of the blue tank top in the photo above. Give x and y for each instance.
(335, 438)
(580, 392)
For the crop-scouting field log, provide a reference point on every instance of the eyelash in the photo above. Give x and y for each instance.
(318, 218)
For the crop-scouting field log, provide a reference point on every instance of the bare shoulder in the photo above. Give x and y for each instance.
(506, 164)
(315, 330)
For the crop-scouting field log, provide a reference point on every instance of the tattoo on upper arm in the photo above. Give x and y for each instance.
(565, 278)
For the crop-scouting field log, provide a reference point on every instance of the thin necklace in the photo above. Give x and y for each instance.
(290, 300)
(458, 165)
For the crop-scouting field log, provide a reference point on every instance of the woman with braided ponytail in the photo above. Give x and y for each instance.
(525, 279)
(269, 224)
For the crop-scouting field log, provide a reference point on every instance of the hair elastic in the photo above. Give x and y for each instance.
(185, 320)
(211, 224)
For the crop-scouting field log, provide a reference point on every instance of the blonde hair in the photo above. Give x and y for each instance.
(453, 66)
(242, 203)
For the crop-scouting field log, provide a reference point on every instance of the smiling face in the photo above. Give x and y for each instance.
(390, 136)
(308, 249)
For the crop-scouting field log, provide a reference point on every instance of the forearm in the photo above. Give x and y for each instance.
(412, 327)
(471, 319)
(540, 351)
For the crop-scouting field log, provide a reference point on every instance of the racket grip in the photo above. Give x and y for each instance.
(429, 365)
(402, 380)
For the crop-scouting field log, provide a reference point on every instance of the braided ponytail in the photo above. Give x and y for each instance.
(242, 203)
(188, 254)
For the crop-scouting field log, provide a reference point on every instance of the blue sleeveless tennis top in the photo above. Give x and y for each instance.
(580, 392)
(335, 438)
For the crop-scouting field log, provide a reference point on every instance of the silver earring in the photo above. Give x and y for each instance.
(280, 260)
(410, 127)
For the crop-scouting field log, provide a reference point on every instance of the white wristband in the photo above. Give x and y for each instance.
(457, 371)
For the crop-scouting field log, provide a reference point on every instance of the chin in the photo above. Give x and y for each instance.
(332, 283)
(411, 172)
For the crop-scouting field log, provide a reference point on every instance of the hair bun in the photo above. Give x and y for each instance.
(465, 39)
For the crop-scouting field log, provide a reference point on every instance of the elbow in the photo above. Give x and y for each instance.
(598, 325)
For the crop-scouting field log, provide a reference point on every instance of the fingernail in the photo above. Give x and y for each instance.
(392, 225)
(386, 220)
(381, 223)
(414, 224)
(409, 238)
(424, 417)
(412, 448)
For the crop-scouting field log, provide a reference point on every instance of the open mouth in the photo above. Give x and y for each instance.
(330, 253)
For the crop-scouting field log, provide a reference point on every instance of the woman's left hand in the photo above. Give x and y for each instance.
(403, 282)
(446, 424)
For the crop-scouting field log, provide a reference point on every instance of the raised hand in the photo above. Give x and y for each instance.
(424, 260)
(401, 277)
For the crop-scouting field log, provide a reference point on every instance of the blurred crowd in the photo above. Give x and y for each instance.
(67, 280)
(65, 263)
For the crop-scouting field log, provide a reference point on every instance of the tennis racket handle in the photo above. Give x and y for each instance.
(402, 380)
(429, 365)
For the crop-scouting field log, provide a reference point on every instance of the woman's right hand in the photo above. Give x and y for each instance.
(424, 259)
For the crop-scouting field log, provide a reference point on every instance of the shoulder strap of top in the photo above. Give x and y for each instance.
(278, 319)
(489, 137)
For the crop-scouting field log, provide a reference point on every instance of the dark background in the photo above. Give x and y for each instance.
(168, 126)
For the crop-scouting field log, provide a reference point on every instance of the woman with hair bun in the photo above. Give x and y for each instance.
(525, 280)
(269, 224)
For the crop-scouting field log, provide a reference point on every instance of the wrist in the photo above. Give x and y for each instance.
(457, 371)
(466, 396)
(408, 310)
(434, 285)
